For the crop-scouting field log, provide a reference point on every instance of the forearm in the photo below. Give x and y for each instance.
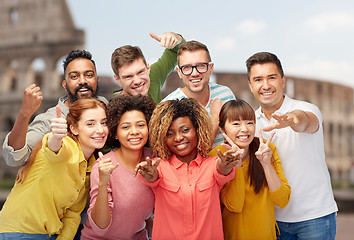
(272, 178)
(17, 137)
(100, 213)
(308, 122)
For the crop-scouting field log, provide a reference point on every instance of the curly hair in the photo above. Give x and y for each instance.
(166, 112)
(121, 104)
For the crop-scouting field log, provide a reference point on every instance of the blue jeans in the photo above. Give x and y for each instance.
(26, 236)
(323, 228)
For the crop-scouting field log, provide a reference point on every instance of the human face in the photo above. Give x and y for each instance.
(91, 130)
(241, 132)
(267, 85)
(195, 83)
(132, 130)
(182, 139)
(134, 78)
(80, 79)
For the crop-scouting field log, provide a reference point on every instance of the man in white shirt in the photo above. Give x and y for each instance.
(311, 211)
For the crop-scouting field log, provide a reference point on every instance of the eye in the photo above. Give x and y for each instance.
(104, 122)
(250, 123)
(185, 130)
(169, 134)
(73, 76)
(125, 127)
(89, 75)
(141, 125)
(186, 67)
(236, 123)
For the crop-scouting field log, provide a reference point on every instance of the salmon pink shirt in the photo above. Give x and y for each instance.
(187, 204)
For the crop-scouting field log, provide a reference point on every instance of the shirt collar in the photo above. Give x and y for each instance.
(175, 162)
(284, 108)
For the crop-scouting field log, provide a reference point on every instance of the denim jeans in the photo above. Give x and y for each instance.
(323, 228)
(26, 236)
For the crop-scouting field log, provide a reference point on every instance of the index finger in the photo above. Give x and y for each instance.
(270, 138)
(148, 161)
(154, 36)
(58, 109)
(260, 136)
(227, 138)
(100, 155)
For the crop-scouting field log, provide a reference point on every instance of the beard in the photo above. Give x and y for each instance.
(74, 96)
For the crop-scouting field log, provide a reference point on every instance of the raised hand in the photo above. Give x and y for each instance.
(168, 40)
(233, 156)
(58, 128)
(32, 99)
(148, 170)
(264, 152)
(283, 121)
(105, 168)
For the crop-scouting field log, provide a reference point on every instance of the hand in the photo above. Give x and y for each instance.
(233, 156)
(32, 99)
(105, 168)
(168, 40)
(215, 107)
(264, 152)
(58, 125)
(283, 121)
(148, 170)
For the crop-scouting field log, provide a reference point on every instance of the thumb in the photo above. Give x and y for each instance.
(157, 38)
(58, 109)
(100, 155)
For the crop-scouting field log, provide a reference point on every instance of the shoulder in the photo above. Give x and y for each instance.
(176, 94)
(293, 104)
(220, 91)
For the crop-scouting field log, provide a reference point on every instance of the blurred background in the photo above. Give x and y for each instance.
(313, 39)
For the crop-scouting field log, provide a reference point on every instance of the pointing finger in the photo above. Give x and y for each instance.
(58, 111)
(260, 136)
(157, 38)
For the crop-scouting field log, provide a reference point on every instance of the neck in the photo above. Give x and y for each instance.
(129, 158)
(269, 110)
(202, 97)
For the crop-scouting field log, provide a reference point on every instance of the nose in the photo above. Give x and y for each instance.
(194, 71)
(99, 128)
(133, 130)
(244, 127)
(82, 79)
(266, 84)
(178, 137)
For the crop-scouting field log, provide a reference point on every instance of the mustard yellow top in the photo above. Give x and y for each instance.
(52, 196)
(246, 215)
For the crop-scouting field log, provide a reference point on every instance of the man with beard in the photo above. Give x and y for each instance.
(80, 81)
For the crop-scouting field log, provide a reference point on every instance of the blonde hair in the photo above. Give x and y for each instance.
(163, 116)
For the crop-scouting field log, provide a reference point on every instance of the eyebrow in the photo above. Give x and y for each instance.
(86, 71)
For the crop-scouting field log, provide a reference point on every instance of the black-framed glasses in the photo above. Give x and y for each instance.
(188, 69)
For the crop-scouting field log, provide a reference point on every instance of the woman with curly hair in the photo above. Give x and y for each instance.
(120, 203)
(186, 182)
(259, 184)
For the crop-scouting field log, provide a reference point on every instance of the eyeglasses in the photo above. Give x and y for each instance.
(188, 69)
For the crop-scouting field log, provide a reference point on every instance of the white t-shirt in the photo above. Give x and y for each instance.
(303, 159)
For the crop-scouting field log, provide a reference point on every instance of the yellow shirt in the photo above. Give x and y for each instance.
(52, 196)
(250, 216)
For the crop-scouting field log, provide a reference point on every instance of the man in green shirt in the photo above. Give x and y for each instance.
(135, 75)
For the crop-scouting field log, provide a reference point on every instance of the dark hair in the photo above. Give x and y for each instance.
(77, 54)
(236, 110)
(166, 112)
(261, 58)
(192, 46)
(125, 55)
(122, 104)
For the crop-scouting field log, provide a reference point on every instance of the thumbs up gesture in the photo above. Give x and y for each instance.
(168, 40)
(58, 128)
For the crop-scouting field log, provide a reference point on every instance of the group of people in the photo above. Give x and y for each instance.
(198, 164)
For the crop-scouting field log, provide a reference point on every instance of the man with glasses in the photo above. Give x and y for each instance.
(194, 68)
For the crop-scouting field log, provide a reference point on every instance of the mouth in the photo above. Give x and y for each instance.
(243, 138)
(181, 146)
(195, 80)
(139, 87)
(135, 140)
(267, 94)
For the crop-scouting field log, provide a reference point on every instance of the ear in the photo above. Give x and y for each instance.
(283, 81)
(74, 130)
(250, 86)
(179, 72)
(117, 79)
(211, 68)
(63, 83)
(148, 68)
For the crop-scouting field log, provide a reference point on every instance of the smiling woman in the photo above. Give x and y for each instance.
(52, 188)
(115, 192)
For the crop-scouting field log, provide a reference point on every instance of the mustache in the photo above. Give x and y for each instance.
(83, 86)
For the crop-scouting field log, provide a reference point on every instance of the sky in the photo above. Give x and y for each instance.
(313, 39)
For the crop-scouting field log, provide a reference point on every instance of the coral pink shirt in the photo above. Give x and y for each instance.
(187, 204)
